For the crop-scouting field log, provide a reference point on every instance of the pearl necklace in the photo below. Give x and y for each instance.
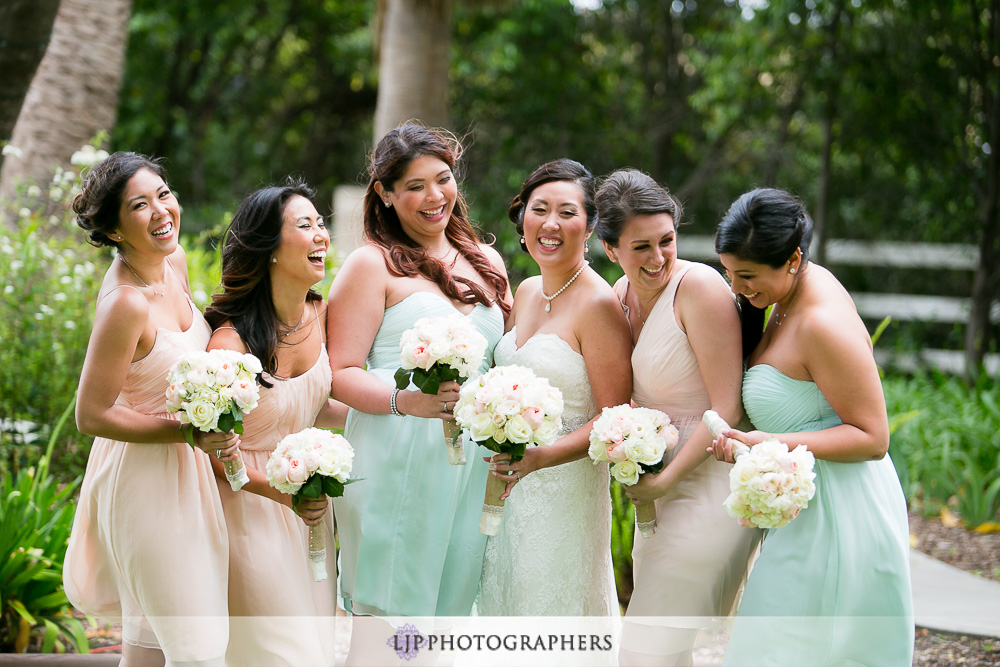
(144, 283)
(548, 299)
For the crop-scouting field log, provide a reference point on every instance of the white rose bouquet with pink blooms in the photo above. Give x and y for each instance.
(312, 463)
(769, 485)
(505, 410)
(436, 350)
(633, 441)
(212, 391)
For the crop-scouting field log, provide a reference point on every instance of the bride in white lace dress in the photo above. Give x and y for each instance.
(552, 556)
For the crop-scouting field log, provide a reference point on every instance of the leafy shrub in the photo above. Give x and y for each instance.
(947, 448)
(36, 515)
(50, 279)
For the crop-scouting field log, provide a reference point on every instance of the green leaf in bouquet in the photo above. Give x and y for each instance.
(226, 423)
(238, 419)
(426, 381)
(332, 486)
(447, 373)
(313, 489)
(402, 378)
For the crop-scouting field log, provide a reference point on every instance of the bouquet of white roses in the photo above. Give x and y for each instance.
(633, 441)
(212, 391)
(505, 410)
(436, 350)
(769, 485)
(312, 463)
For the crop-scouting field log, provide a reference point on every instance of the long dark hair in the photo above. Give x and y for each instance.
(246, 300)
(404, 256)
(562, 169)
(98, 204)
(763, 226)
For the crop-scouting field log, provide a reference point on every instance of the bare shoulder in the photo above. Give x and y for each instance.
(602, 304)
(528, 286)
(704, 275)
(703, 286)
(122, 303)
(496, 259)
(364, 260)
(227, 339)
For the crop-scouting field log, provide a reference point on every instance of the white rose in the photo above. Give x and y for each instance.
(517, 430)
(203, 414)
(225, 374)
(481, 427)
(626, 472)
(547, 433)
(508, 408)
(245, 393)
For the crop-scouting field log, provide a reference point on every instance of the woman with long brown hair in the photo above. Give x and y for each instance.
(409, 538)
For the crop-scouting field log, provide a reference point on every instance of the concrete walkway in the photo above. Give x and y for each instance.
(949, 599)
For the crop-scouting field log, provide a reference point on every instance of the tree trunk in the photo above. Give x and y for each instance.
(74, 94)
(25, 29)
(414, 39)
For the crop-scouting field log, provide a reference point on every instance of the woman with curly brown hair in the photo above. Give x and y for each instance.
(409, 538)
(149, 541)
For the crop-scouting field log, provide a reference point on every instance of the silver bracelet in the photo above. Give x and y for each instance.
(392, 404)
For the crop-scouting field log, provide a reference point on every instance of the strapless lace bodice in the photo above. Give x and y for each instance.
(553, 554)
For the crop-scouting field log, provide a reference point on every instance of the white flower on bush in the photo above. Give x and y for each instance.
(12, 151)
(300, 455)
(87, 156)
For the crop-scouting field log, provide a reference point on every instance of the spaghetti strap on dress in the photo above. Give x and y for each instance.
(280, 616)
(149, 543)
(693, 567)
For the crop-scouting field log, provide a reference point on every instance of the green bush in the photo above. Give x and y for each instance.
(945, 446)
(36, 515)
(50, 279)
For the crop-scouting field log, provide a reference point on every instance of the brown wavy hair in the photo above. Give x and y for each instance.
(404, 256)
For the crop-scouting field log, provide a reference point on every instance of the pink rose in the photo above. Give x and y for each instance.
(280, 469)
(534, 417)
(616, 453)
(298, 472)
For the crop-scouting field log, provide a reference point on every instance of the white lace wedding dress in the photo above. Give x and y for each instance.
(553, 554)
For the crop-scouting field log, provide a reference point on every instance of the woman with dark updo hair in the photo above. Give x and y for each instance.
(274, 252)
(149, 541)
(552, 556)
(686, 359)
(833, 586)
(409, 536)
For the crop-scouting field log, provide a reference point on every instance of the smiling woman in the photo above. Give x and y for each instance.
(274, 253)
(125, 556)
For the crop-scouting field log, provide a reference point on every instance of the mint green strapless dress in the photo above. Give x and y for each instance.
(409, 533)
(833, 586)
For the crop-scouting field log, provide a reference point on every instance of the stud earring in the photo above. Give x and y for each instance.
(274, 260)
(524, 246)
(387, 203)
(791, 270)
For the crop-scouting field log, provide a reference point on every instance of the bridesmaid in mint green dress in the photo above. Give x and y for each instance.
(833, 586)
(409, 533)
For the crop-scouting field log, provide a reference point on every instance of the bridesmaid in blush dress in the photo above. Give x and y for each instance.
(274, 252)
(149, 517)
(686, 359)
(833, 586)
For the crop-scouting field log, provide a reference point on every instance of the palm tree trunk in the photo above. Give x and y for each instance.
(74, 94)
(414, 39)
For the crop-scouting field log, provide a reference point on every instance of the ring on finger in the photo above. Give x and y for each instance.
(218, 453)
(517, 474)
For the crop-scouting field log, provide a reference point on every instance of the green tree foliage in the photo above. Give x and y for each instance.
(235, 94)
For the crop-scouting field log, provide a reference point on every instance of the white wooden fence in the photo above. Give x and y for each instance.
(904, 307)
